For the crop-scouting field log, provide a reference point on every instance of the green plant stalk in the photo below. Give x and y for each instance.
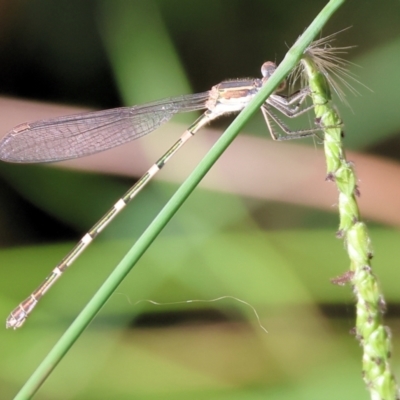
(122, 269)
(373, 336)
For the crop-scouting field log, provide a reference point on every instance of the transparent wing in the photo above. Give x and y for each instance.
(79, 135)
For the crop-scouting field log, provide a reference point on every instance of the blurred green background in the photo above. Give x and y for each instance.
(277, 257)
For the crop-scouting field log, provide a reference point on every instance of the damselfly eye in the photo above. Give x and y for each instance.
(268, 68)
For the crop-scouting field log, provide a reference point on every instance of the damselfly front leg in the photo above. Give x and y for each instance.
(292, 107)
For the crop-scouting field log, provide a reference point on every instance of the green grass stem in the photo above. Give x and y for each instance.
(373, 336)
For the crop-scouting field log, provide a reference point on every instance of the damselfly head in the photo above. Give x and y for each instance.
(267, 69)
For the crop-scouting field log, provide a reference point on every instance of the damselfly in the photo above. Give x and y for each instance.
(79, 135)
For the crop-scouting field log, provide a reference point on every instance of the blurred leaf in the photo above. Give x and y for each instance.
(373, 116)
(143, 58)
